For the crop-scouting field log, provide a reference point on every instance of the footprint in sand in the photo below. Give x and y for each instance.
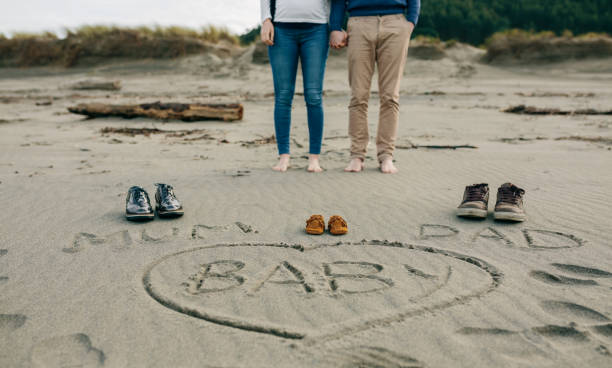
(11, 322)
(510, 345)
(579, 317)
(559, 280)
(605, 330)
(371, 357)
(67, 351)
(582, 271)
(569, 336)
(3, 279)
(556, 279)
(573, 312)
(561, 332)
(532, 346)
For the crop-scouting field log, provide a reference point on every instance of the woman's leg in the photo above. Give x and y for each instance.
(283, 60)
(314, 49)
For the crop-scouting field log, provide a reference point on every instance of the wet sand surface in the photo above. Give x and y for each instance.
(236, 282)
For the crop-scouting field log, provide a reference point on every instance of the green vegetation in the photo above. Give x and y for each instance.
(509, 29)
(525, 46)
(250, 36)
(93, 43)
(473, 21)
(210, 34)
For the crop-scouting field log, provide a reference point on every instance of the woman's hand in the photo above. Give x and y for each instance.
(267, 32)
(338, 39)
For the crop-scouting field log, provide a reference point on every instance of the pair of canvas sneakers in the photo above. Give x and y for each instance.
(315, 225)
(508, 207)
(138, 205)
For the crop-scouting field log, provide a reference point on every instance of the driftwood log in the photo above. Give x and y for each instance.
(435, 146)
(97, 85)
(531, 110)
(162, 111)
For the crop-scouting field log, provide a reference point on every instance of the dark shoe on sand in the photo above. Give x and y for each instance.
(475, 201)
(138, 205)
(509, 205)
(167, 203)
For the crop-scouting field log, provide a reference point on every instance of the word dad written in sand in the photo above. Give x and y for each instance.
(529, 238)
(331, 290)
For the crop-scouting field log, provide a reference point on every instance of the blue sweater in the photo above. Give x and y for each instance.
(358, 8)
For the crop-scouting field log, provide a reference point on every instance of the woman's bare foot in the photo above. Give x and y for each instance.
(356, 165)
(387, 166)
(313, 164)
(283, 163)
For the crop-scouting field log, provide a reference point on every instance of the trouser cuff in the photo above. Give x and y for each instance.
(382, 157)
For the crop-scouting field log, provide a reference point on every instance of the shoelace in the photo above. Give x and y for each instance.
(140, 197)
(475, 193)
(167, 192)
(510, 195)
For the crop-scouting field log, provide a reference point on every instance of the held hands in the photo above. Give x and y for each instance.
(338, 39)
(411, 25)
(267, 32)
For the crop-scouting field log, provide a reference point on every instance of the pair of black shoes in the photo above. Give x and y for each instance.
(138, 205)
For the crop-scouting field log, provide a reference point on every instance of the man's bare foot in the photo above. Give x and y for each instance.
(313, 164)
(356, 165)
(283, 163)
(387, 166)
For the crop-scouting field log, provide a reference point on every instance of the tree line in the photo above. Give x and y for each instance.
(473, 21)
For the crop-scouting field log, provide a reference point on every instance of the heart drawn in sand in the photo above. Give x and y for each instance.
(318, 292)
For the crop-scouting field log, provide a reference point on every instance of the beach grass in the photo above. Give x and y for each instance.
(89, 44)
(546, 46)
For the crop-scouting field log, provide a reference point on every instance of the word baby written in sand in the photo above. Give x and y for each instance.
(327, 289)
(223, 275)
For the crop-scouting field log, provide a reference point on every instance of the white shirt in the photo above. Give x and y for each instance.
(297, 11)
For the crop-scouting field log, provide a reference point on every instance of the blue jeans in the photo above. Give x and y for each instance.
(308, 43)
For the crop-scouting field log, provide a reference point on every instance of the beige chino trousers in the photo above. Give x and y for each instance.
(376, 41)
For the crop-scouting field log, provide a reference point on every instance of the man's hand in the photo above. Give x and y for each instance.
(338, 39)
(267, 32)
(411, 25)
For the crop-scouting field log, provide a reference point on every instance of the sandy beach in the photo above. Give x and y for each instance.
(236, 282)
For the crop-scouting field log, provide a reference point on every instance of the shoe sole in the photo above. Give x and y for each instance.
(471, 212)
(140, 217)
(170, 214)
(338, 233)
(510, 216)
(315, 232)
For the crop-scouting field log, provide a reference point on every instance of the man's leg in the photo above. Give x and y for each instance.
(314, 49)
(362, 34)
(283, 60)
(392, 51)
